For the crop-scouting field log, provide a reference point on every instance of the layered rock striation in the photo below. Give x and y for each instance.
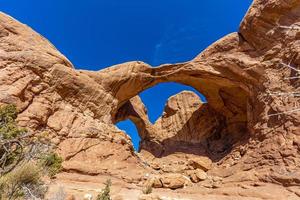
(246, 136)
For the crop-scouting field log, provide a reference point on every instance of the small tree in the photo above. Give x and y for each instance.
(11, 147)
(105, 194)
(20, 176)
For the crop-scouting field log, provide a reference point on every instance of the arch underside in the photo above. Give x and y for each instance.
(223, 118)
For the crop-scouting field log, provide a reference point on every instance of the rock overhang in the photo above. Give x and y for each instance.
(242, 76)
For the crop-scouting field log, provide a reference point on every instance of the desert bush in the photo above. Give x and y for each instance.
(105, 194)
(53, 163)
(20, 176)
(20, 181)
(11, 148)
(8, 126)
(147, 189)
(8, 113)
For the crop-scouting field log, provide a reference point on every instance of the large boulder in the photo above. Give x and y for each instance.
(203, 163)
(196, 175)
(169, 180)
(174, 181)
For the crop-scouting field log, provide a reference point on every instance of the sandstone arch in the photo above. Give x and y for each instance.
(229, 125)
(185, 121)
(214, 83)
(242, 75)
(228, 92)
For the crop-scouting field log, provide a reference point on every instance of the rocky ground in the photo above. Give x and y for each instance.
(244, 143)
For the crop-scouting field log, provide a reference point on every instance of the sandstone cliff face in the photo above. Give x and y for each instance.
(187, 119)
(249, 129)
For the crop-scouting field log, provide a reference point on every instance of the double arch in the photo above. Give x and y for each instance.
(227, 96)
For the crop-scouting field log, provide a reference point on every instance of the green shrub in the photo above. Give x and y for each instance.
(8, 113)
(8, 126)
(105, 194)
(53, 163)
(11, 147)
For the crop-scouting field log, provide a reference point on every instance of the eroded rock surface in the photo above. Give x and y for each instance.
(251, 82)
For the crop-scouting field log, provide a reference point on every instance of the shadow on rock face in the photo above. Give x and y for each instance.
(248, 127)
(187, 127)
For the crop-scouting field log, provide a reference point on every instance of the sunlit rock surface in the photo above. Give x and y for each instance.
(246, 138)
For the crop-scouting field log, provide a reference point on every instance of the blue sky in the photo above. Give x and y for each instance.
(95, 34)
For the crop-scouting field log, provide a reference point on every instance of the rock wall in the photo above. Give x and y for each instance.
(250, 79)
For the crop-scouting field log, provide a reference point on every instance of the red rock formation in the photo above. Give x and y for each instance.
(250, 79)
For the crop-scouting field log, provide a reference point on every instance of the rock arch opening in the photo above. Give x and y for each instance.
(152, 107)
(156, 97)
(211, 129)
(129, 127)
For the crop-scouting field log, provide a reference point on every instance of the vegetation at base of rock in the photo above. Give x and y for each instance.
(147, 189)
(20, 173)
(23, 181)
(53, 163)
(105, 194)
(11, 147)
